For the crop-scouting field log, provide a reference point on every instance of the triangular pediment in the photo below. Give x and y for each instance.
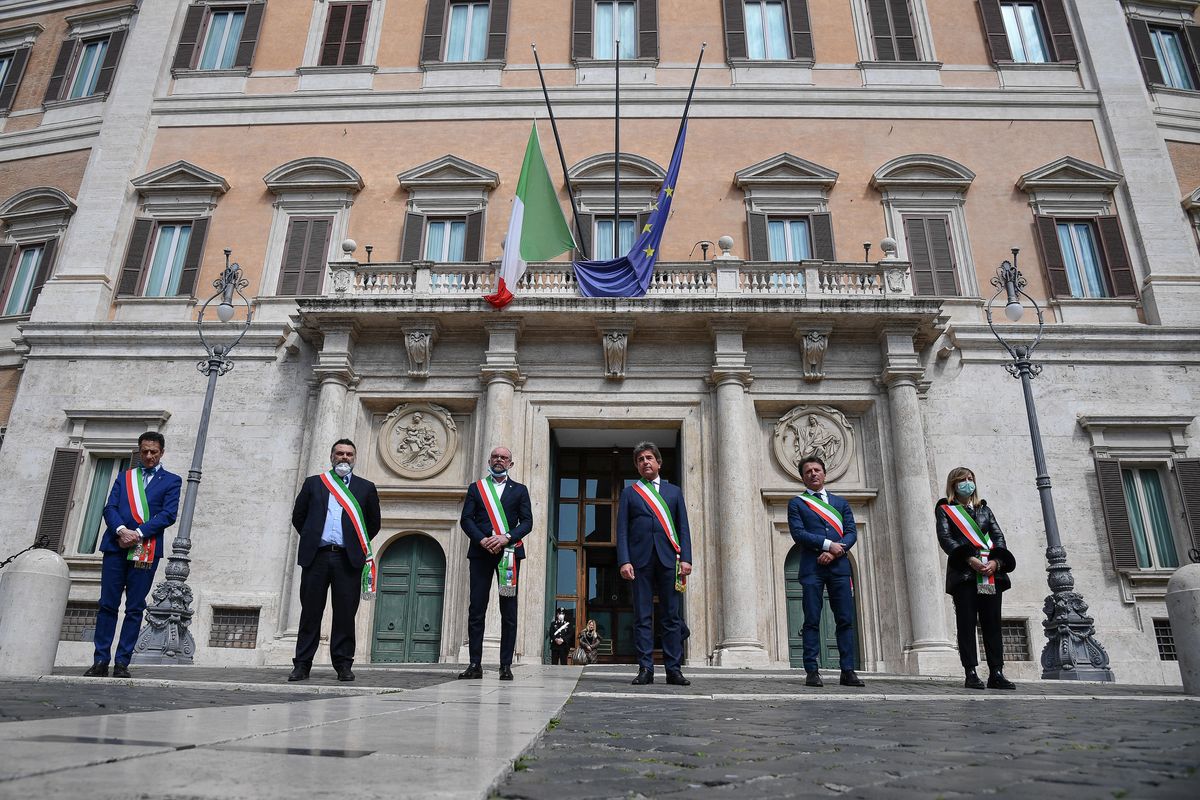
(1069, 173)
(449, 170)
(598, 170)
(314, 174)
(1192, 201)
(181, 176)
(786, 169)
(923, 171)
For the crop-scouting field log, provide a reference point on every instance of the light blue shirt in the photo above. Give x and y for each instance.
(332, 533)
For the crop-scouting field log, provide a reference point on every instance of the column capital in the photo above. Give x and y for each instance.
(901, 363)
(722, 375)
(489, 374)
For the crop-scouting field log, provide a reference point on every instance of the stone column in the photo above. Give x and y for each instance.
(930, 652)
(740, 645)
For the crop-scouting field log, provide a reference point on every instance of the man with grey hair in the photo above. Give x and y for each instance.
(654, 550)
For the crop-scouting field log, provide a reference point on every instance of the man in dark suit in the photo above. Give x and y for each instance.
(142, 504)
(654, 550)
(495, 517)
(336, 514)
(823, 525)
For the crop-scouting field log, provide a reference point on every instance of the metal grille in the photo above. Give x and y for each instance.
(234, 627)
(1015, 634)
(1165, 639)
(79, 622)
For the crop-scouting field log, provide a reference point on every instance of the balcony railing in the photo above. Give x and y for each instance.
(719, 278)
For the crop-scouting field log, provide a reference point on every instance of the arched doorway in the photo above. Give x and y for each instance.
(827, 658)
(408, 607)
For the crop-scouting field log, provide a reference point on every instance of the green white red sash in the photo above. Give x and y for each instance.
(135, 490)
(506, 570)
(658, 507)
(349, 503)
(824, 511)
(968, 527)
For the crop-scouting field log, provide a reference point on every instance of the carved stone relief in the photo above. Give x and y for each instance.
(616, 345)
(418, 440)
(815, 345)
(820, 431)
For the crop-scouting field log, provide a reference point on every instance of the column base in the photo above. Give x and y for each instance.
(1171, 299)
(933, 658)
(741, 655)
(78, 298)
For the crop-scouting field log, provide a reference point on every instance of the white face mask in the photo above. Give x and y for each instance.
(343, 469)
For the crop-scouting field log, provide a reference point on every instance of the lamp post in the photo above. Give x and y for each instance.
(1071, 651)
(166, 637)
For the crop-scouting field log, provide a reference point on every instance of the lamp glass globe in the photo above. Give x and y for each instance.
(1014, 311)
(225, 311)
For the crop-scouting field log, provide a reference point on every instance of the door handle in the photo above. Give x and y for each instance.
(426, 626)
(391, 626)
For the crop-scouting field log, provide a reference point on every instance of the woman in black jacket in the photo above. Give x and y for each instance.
(976, 574)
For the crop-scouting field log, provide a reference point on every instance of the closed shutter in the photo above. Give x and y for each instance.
(16, 69)
(735, 29)
(497, 30)
(1060, 30)
(356, 34)
(581, 30)
(906, 40)
(583, 236)
(304, 256)
(59, 76)
(1052, 257)
(1187, 472)
(6, 260)
(473, 242)
(431, 40)
(1116, 257)
(1116, 514)
(112, 57)
(648, 29)
(917, 236)
(931, 255)
(56, 505)
(881, 30)
(993, 29)
(802, 39)
(1145, 51)
(821, 226)
(344, 34)
(1190, 32)
(45, 266)
(191, 259)
(642, 219)
(410, 240)
(759, 240)
(135, 258)
(249, 40)
(189, 37)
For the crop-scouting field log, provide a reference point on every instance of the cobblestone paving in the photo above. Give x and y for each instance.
(397, 677)
(1030, 745)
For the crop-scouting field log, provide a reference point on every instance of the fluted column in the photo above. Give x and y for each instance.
(930, 651)
(739, 644)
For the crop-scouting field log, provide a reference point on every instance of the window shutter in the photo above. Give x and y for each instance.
(316, 253)
(581, 30)
(1145, 50)
(6, 257)
(945, 277)
(189, 37)
(802, 39)
(1060, 30)
(1190, 32)
(16, 69)
(250, 29)
(993, 29)
(735, 29)
(917, 236)
(410, 241)
(356, 34)
(335, 25)
(1116, 514)
(431, 41)
(1187, 472)
(56, 504)
(497, 30)
(648, 29)
(1056, 267)
(759, 241)
(881, 30)
(43, 270)
(821, 226)
(473, 243)
(135, 257)
(640, 223)
(61, 65)
(905, 39)
(583, 235)
(1116, 257)
(191, 259)
(112, 57)
(293, 257)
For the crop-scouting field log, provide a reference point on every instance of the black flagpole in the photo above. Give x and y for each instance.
(582, 244)
(688, 104)
(617, 161)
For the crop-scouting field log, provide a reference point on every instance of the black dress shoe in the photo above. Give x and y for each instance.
(506, 674)
(472, 672)
(813, 678)
(972, 681)
(677, 679)
(299, 673)
(344, 674)
(121, 671)
(644, 676)
(997, 681)
(97, 670)
(850, 679)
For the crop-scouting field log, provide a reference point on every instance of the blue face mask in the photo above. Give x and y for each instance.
(965, 488)
(498, 472)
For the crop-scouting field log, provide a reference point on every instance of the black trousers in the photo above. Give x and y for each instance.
(330, 573)
(970, 606)
(483, 571)
(558, 655)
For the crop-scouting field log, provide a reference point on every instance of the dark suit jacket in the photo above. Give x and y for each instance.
(810, 531)
(308, 518)
(639, 534)
(476, 523)
(162, 499)
(959, 548)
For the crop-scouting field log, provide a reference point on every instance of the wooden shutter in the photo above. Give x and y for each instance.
(356, 34)
(191, 259)
(335, 26)
(410, 240)
(1187, 472)
(581, 30)
(735, 29)
(112, 57)
(802, 38)
(648, 29)
(61, 65)
(1140, 31)
(56, 504)
(293, 257)
(931, 255)
(135, 258)
(993, 29)
(1060, 30)
(1116, 514)
(1052, 257)
(881, 30)
(917, 236)
(757, 238)
(45, 266)
(473, 243)
(583, 236)
(304, 255)
(249, 40)
(821, 227)
(188, 39)
(431, 40)
(6, 258)
(1116, 257)
(497, 30)
(1190, 32)
(316, 255)
(640, 223)
(16, 69)
(902, 27)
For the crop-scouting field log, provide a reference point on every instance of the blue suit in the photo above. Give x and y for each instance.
(810, 531)
(642, 543)
(119, 575)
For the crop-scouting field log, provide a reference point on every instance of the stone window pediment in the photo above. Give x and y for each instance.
(1070, 174)
(180, 188)
(40, 207)
(314, 174)
(922, 172)
(447, 171)
(786, 169)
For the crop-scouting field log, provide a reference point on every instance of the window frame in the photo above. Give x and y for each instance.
(40, 273)
(1141, 29)
(1117, 269)
(598, 219)
(583, 28)
(443, 188)
(139, 255)
(435, 35)
(318, 25)
(94, 459)
(10, 81)
(343, 41)
(112, 23)
(633, 43)
(468, 41)
(1148, 536)
(799, 29)
(1055, 27)
(189, 52)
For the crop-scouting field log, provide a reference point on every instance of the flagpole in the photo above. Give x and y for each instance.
(691, 89)
(617, 159)
(581, 245)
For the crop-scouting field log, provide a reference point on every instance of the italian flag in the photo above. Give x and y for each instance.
(537, 231)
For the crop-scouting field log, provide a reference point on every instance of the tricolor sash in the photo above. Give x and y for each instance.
(658, 507)
(968, 527)
(349, 503)
(135, 489)
(824, 511)
(506, 570)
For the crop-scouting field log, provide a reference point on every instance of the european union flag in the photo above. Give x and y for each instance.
(630, 275)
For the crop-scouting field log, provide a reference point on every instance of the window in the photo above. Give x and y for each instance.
(774, 238)
(615, 21)
(444, 220)
(166, 262)
(221, 39)
(1140, 504)
(1164, 637)
(598, 25)
(603, 247)
(1169, 51)
(79, 621)
(23, 279)
(345, 31)
(12, 68)
(932, 255)
(1169, 54)
(85, 67)
(461, 32)
(1027, 31)
(103, 474)
(1081, 258)
(1026, 37)
(767, 30)
(1086, 258)
(892, 30)
(1148, 520)
(305, 256)
(234, 627)
(163, 259)
(445, 239)
(1014, 633)
(468, 30)
(788, 239)
(219, 36)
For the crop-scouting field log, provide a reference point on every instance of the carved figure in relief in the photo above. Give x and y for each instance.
(814, 439)
(418, 446)
(615, 348)
(815, 345)
(417, 343)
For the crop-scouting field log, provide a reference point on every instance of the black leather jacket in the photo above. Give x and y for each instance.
(960, 550)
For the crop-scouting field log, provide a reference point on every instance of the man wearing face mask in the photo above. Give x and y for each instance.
(495, 517)
(337, 515)
(562, 637)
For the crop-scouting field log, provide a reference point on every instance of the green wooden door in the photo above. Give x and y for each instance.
(408, 608)
(827, 658)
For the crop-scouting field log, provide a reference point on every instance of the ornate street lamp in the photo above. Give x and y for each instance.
(1071, 651)
(166, 637)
